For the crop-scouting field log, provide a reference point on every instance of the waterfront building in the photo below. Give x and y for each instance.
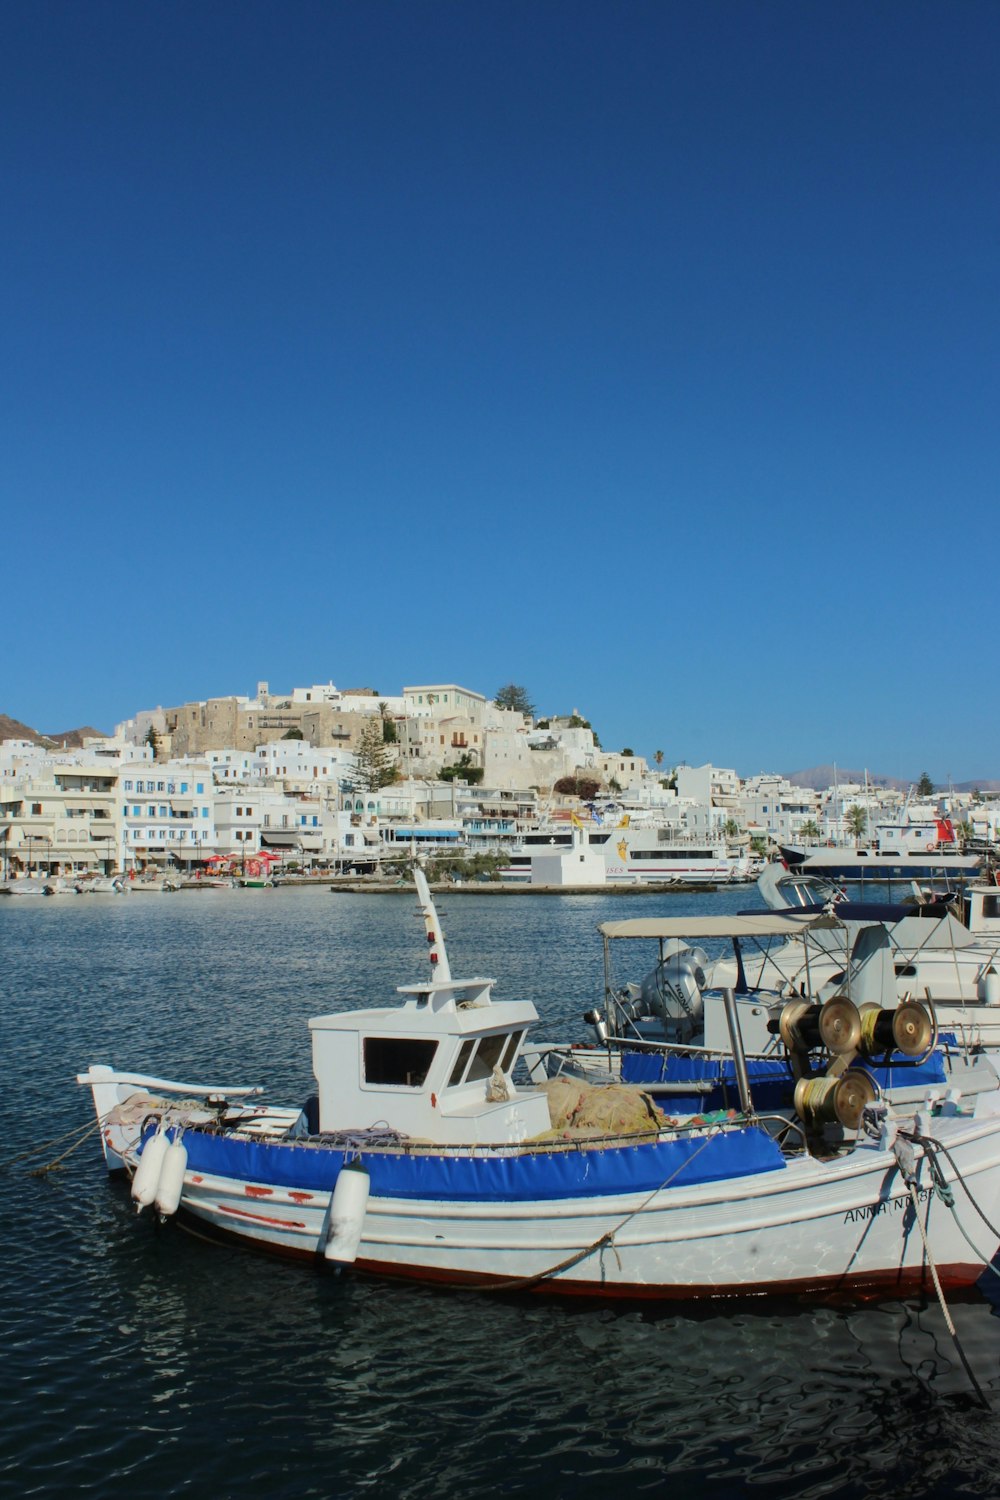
(60, 817)
(167, 814)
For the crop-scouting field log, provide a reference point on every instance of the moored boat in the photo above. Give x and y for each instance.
(421, 1157)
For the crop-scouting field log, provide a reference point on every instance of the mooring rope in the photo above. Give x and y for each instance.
(78, 1136)
(907, 1167)
(522, 1283)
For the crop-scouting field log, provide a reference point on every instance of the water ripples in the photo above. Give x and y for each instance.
(139, 1359)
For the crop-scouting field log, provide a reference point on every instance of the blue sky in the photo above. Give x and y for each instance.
(643, 354)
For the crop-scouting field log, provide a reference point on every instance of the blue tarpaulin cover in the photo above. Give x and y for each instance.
(655, 1067)
(519, 1177)
(899, 1073)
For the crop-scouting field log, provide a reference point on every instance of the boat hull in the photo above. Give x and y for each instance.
(830, 1227)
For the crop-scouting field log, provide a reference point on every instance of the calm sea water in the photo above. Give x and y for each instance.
(138, 1360)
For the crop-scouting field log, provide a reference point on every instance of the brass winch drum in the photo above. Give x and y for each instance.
(912, 1028)
(829, 1101)
(907, 1029)
(840, 1025)
(835, 1025)
(798, 1025)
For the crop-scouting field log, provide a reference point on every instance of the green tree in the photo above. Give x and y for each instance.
(389, 736)
(373, 765)
(658, 757)
(292, 734)
(809, 831)
(628, 751)
(472, 774)
(512, 695)
(583, 787)
(925, 786)
(731, 828)
(857, 820)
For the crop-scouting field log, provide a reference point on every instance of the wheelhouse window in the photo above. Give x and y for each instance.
(510, 1051)
(464, 1053)
(399, 1062)
(486, 1057)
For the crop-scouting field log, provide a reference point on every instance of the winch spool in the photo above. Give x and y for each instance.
(798, 1025)
(840, 1025)
(913, 1030)
(907, 1029)
(834, 1101)
(835, 1025)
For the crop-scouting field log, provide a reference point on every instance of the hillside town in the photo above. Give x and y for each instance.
(320, 781)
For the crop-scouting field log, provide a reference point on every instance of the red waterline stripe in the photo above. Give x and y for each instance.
(241, 1213)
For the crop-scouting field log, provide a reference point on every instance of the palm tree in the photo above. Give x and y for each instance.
(809, 832)
(857, 820)
(658, 757)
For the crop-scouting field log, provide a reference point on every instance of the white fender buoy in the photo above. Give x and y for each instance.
(147, 1173)
(347, 1214)
(989, 987)
(171, 1183)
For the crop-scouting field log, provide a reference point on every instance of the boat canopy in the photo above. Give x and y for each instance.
(764, 924)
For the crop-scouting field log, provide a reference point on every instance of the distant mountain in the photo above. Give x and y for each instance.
(13, 729)
(73, 739)
(820, 777)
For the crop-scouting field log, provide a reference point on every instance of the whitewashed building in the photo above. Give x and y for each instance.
(168, 816)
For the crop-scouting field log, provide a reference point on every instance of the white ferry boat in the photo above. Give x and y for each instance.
(578, 854)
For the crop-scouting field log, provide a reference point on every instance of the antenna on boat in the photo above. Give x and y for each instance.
(435, 937)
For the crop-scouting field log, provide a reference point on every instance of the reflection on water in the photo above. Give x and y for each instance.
(140, 1359)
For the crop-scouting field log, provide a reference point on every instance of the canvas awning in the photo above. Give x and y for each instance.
(767, 924)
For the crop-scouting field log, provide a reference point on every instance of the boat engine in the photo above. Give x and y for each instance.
(673, 990)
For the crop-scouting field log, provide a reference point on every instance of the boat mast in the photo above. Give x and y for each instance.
(435, 937)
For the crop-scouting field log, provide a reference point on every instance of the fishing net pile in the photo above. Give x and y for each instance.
(591, 1109)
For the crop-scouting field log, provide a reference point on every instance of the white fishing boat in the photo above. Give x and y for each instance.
(813, 944)
(421, 1157)
(779, 973)
(945, 952)
(24, 885)
(105, 885)
(153, 885)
